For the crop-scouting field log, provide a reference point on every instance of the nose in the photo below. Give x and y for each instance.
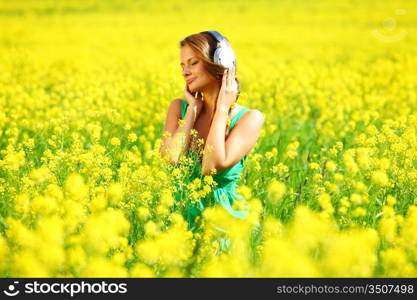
(186, 71)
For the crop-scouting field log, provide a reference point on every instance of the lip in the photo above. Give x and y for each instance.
(190, 80)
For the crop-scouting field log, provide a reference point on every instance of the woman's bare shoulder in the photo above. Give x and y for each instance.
(174, 109)
(177, 103)
(238, 108)
(251, 113)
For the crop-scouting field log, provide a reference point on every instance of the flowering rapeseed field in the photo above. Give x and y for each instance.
(84, 91)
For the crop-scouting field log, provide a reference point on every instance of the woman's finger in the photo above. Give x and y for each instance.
(224, 80)
(234, 83)
(229, 78)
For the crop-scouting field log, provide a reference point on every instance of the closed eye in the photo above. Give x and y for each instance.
(191, 64)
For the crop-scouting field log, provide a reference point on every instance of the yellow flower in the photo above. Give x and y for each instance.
(208, 179)
(4, 249)
(396, 263)
(338, 177)
(339, 145)
(314, 166)
(359, 212)
(333, 151)
(317, 177)
(115, 141)
(142, 271)
(380, 178)
(245, 191)
(342, 210)
(176, 172)
(197, 183)
(388, 211)
(325, 203)
(195, 196)
(40, 175)
(13, 160)
(276, 190)
(331, 166)
(360, 187)
(166, 198)
(22, 203)
(387, 227)
(344, 201)
(76, 257)
(75, 187)
(43, 205)
(281, 169)
(146, 197)
(181, 123)
(166, 134)
(115, 193)
(269, 155)
(206, 189)
(29, 265)
(98, 203)
(172, 248)
(391, 200)
(384, 163)
(132, 137)
(102, 267)
(143, 212)
(162, 210)
(356, 198)
(239, 204)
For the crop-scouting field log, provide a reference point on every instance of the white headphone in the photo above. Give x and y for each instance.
(223, 54)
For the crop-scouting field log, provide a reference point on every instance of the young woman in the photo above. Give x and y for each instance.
(227, 130)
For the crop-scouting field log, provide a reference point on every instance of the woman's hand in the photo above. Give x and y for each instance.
(228, 91)
(193, 101)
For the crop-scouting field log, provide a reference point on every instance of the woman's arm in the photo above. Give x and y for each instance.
(225, 153)
(214, 148)
(176, 139)
(218, 153)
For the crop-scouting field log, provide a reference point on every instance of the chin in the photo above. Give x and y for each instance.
(193, 89)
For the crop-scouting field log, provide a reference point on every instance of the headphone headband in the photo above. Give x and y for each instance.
(218, 36)
(223, 54)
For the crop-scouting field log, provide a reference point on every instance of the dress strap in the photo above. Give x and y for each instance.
(184, 105)
(237, 117)
(233, 122)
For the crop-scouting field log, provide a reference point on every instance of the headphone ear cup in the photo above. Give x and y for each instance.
(226, 57)
(224, 54)
(217, 56)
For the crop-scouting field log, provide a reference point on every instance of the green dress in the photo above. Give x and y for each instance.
(224, 193)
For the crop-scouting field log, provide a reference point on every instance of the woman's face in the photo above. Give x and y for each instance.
(196, 77)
